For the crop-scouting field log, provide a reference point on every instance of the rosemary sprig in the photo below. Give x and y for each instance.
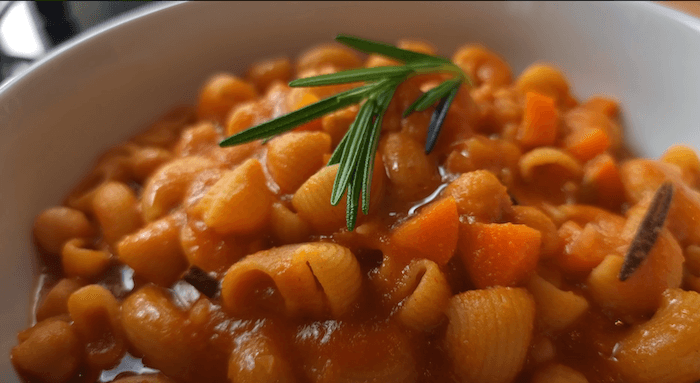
(356, 151)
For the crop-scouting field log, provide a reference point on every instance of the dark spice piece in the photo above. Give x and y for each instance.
(648, 231)
(202, 281)
(513, 200)
(438, 118)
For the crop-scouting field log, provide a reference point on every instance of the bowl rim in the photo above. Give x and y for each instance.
(666, 12)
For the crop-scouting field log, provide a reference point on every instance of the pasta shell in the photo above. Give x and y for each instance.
(641, 293)
(547, 80)
(144, 161)
(167, 186)
(666, 349)
(328, 54)
(312, 199)
(52, 352)
(294, 157)
(264, 73)
(151, 322)
(483, 65)
(427, 295)
(55, 302)
(207, 249)
(220, 94)
(556, 309)
(687, 160)
(79, 261)
(56, 225)
(413, 174)
(288, 227)
(197, 140)
(489, 333)
(552, 158)
(154, 252)
(239, 202)
(314, 279)
(480, 195)
(115, 206)
(258, 359)
(336, 269)
(97, 319)
(334, 351)
(642, 177)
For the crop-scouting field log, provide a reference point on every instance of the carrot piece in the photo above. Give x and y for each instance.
(539, 127)
(587, 143)
(432, 234)
(607, 106)
(306, 100)
(498, 254)
(603, 176)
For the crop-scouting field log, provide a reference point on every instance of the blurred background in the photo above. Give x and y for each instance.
(28, 29)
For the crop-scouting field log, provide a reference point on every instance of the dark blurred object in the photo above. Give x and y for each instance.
(29, 30)
(57, 22)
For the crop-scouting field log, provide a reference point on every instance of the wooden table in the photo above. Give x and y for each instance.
(689, 7)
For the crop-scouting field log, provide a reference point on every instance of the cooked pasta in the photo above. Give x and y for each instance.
(495, 257)
(489, 333)
(154, 252)
(294, 157)
(167, 186)
(666, 348)
(51, 352)
(557, 162)
(55, 303)
(258, 359)
(97, 320)
(239, 202)
(315, 279)
(419, 292)
(79, 261)
(556, 309)
(56, 226)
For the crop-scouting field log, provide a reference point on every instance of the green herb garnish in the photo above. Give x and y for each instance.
(356, 151)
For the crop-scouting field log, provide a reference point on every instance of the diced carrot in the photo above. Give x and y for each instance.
(499, 254)
(584, 248)
(432, 234)
(605, 105)
(539, 127)
(587, 143)
(603, 176)
(306, 100)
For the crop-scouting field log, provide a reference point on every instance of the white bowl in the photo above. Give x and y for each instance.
(106, 85)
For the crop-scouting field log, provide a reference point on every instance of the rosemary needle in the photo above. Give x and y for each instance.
(356, 152)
